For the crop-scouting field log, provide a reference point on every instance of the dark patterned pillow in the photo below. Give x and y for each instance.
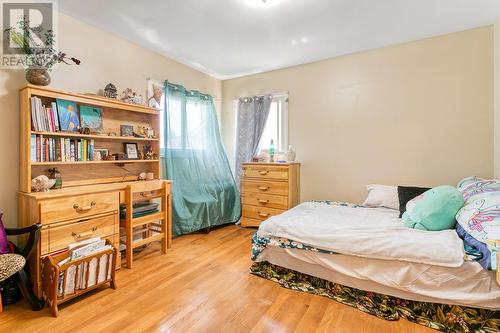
(406, 193)
(4, 243)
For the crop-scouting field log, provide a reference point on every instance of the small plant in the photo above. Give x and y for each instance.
(41, 54)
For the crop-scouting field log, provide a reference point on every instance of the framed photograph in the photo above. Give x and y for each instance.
(103, 151)
(91, 117)
(126, 130)
(155, 93)
(131, 150)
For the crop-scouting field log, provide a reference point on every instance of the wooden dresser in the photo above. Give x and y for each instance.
(268, 189)
(71, 214)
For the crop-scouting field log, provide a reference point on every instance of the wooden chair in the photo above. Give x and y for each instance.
(153, 227)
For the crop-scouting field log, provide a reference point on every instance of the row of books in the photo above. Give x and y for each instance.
(45, 149)
(79, 250)
(44, 118)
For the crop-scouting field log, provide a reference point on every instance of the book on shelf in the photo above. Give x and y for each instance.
(44, 118)
(45, 149)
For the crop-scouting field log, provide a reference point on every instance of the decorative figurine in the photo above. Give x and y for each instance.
(110, 91)
(56, 174)
(148, 152)
(130, 96)
(142, 176)
(42, 183)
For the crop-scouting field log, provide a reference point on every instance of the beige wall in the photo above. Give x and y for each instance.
(418, 113)
(105, 58)
(497, 99)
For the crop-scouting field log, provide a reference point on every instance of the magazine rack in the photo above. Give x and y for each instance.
(72, 279)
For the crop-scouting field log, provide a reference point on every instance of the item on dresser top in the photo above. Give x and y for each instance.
(290, 154)
(271, 151)
(434, 209)
(150, 176)
(42, 183)
(406, 193)
(142, 176)
(382, 196)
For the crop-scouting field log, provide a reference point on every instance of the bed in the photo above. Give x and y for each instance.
(369, 249)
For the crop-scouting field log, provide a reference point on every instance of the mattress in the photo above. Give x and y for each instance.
(375, 233)
(467, 285)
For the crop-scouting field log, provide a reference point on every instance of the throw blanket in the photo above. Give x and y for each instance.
(375, 233)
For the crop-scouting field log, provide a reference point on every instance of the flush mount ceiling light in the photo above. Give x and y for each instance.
(263, 3)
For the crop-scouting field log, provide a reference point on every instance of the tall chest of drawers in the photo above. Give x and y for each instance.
(268, 189)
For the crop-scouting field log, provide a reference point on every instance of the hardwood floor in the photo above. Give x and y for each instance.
(202, 284)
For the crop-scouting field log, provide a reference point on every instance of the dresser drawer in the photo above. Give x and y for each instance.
(77, 207)
(265, 187)
(56, 237)
(266, 172)
(260, 213)
(265, 200)
(247, 222)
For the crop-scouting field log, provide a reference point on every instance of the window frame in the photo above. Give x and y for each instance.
(283, 131)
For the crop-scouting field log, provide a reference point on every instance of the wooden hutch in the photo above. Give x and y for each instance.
(88, 204)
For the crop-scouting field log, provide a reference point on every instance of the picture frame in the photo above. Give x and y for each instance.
(91, 117)
(131, 150)
(103, 151)
(67, 112)
(154, 93)
(126, 130)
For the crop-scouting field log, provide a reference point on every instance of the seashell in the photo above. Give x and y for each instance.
(42, 183)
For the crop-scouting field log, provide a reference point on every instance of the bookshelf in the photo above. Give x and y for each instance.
(78, 173)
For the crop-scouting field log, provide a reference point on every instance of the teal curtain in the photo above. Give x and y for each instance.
(204, 189)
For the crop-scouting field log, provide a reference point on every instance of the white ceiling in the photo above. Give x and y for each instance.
(231, 38)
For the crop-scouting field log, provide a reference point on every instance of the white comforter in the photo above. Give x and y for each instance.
(366, 232)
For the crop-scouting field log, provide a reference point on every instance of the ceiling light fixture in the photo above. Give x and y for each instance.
(263, 3)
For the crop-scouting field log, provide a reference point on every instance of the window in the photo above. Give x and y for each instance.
(277, 125)
(188, 128)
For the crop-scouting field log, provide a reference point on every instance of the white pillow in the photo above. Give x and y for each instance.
(382, 196)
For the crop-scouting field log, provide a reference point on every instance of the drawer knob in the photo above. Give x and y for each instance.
(263, 201)
(263, 188)
(84, 209)
(85, 234)
(263, 172)
(263, 214)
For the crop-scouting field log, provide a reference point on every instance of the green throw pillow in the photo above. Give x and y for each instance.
(434, 210)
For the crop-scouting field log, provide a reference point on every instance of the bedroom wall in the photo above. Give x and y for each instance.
(419, 113)
(497, 99)
(105, 58)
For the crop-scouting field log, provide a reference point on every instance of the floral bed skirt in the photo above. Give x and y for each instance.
(442, 317)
